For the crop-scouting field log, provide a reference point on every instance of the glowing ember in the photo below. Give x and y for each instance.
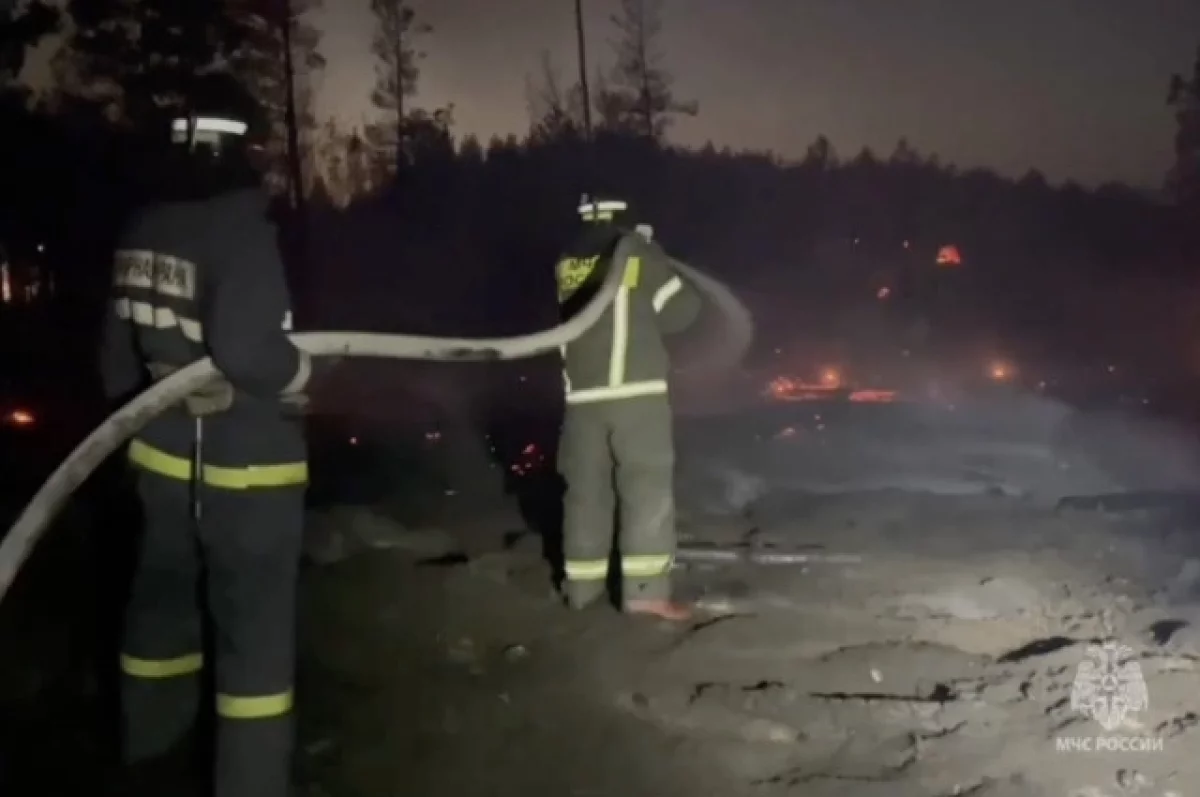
(1000, 371)
(949, 256)
(21, 418)
(787, 389)
(784, 388)
(873, 396)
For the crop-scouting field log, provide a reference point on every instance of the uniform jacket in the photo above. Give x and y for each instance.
(623, 355)
(205, 278)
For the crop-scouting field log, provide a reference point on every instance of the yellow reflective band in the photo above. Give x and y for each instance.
(645, 566)
(586, 569)
(159, 462)
(252, 476)
(620, 338)
(254, 708)
(633, 272)
(256, 476)
(162, 668)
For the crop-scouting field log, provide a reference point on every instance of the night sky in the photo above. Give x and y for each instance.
(1074, 87)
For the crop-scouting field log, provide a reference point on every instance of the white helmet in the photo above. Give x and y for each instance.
(600, 209)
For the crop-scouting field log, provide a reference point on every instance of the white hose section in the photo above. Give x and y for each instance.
(16, 547)
(737, 324)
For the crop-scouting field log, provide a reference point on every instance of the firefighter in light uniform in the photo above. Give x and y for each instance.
(222, 476)
(616, 445)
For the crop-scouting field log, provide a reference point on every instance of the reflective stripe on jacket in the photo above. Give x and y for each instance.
(195, 279)
(623, 355)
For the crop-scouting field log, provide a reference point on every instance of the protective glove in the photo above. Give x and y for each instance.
(215, 395)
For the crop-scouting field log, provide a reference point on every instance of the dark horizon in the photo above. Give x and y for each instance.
(1076, 90)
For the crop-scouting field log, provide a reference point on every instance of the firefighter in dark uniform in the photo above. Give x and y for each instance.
(222, 476)
(616, 451)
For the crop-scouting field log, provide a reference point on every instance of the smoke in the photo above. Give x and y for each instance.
(723, 345)
(706, 363)
(718, 488)
(1030, 447)
(1135, 452)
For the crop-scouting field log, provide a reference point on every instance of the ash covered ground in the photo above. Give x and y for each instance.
(898, 601)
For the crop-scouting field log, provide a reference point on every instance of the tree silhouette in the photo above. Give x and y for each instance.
(332, 162)
(345, 163)
(138, 60)
(1184, 98)
(361, 166)
(18, 32)
(279, 64)
(641, 88)
(821, 155)
(812, 232)
(395, 46)
(555, 110)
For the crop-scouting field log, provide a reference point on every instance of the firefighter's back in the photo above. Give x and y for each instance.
(171, 266)
(581, 269)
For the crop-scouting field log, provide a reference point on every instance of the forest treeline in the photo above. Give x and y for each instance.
(402, 203)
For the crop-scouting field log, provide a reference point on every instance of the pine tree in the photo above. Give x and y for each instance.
(555, 111)
(641, 88)
(138, 60)
(279, 64)
(395, 46)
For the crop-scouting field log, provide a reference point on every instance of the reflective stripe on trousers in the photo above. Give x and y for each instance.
(643, 566)
(162, 463)
(251, 476)
(228, 706)
(617, 458)
(254, 708)
(153, 669)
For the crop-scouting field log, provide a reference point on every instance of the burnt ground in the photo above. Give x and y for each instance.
(937, 660)
(422, 680)
(940, 664)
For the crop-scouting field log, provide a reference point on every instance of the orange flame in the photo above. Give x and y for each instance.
(21, 418)
(949, 256)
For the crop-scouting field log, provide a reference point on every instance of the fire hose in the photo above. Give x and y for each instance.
(18, 544)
